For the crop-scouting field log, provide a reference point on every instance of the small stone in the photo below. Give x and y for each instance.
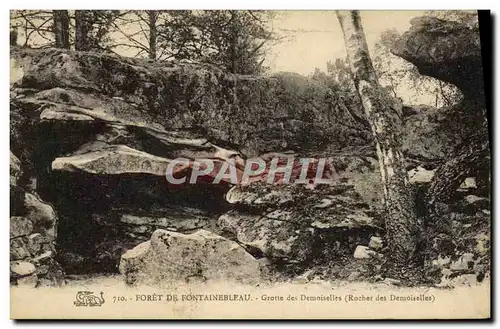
(42, 270)
(360, 219)
(471, 199)
(464, 280)
(304, 277)
(318, 280)
(46, 255)
(446, 272)
(35, 242)
(135, 220)
(363, 252)
(463, 262)
(376, 243)
(15, 168)
(482, 244)
(41, 214)
(393, 282)
(469, 182)
(421, 175)
(324, 203)
(22, 268)
(353, 276)
(140, 229)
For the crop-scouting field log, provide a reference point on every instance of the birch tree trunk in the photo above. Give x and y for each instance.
(402, 227)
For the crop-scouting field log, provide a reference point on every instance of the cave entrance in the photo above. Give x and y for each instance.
(100, 217)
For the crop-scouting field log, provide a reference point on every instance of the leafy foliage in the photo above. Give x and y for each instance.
(234, 40)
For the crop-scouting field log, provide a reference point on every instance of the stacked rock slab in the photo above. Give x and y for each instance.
(296, 224)
(32, 236)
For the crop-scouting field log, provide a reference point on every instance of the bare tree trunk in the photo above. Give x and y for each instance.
(61, 28)
(234, 41)
(153, 16)
(83, 24)
(13, 37)
(402, 227)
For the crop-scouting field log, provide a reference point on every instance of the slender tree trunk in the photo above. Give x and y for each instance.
(61, 28)
(13, 37)
(152, 15)
(83, 24)
(402, 227)
(234, 41)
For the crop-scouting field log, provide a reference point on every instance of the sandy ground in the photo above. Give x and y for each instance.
(319, 300)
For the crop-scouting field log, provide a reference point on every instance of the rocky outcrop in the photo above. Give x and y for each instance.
(451, 52)
(425, 139)
(92, 135)
(95, 133)
(231, 110)
(114, 160)
(458, 190)
(197, 257)
(446, 50)
(292, 223)
(33, 226)
(464, 245)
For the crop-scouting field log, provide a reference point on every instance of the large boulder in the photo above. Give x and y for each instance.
(202, 256)
(450, 51)
(446, 50)
(297, 224)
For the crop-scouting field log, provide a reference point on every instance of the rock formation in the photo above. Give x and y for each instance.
(93, 133)
(33, 225)
(459, 212)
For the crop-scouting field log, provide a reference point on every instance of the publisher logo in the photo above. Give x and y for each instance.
(87, 298)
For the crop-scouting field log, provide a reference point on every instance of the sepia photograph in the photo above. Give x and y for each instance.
(250, 164)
